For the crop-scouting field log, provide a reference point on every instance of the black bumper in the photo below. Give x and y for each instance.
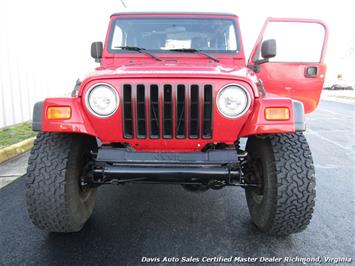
(123, 165)
(125, 156)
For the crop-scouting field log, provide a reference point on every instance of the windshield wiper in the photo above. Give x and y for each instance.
(195, 51)
(139, 50)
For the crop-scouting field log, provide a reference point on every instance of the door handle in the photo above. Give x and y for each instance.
(311, 71)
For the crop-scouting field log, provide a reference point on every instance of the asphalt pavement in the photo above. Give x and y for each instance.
(135, 221)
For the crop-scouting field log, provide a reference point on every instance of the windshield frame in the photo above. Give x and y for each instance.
(232, 19)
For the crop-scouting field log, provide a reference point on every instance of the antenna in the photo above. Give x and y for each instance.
(123, 3)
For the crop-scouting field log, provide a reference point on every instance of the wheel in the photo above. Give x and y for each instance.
(282, 167)
(55, 200)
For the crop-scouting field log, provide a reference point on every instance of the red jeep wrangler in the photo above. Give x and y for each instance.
(171, 102)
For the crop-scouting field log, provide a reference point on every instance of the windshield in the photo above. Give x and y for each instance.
(215, 35)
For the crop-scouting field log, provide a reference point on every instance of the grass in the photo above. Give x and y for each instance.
(14, 134)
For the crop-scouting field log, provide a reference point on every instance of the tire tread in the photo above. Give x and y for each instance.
(47, 196)
(295, 183)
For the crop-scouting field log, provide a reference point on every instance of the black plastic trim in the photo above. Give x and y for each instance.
(168, 112)
(127, 111)
(37, 116)
(125, 156)
(180, 111)
(154, 111)
(298, 114)
(141, 116)
(194, 112)
(75, 91)
(207, 112)
(311, 71)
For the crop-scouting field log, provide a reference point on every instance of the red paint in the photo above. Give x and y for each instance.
(289, 79)
(78, 122)
(117, 69)
(257, 124)
(110, 129)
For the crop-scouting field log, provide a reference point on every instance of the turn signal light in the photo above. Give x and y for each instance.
(277, 113)
(59, 112)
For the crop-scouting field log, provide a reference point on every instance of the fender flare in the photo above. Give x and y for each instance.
(77, 123)
(257, 124)
(37, 116)
(298, 114)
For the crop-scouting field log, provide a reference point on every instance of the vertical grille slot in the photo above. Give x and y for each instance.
(194, 112)
(207, 112)
(167, 111)
(141, 111)
(154, 112)
(180, 112)
(127, 111)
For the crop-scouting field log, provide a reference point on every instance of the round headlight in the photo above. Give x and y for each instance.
(233, 101)
(102, 100)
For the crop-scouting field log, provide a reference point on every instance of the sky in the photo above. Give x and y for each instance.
(45, 45)
(58, 34)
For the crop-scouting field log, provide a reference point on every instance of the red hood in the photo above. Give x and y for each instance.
(170, 69)
(175, 70)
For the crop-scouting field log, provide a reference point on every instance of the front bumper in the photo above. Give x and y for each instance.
(120, 165)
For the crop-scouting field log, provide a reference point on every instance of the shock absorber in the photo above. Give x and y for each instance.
(242, 161)
(241, 153)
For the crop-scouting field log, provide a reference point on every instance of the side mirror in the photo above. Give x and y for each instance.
(268, 49)
(96, 51)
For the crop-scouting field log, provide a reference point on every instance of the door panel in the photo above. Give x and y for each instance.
(298, 69)
(288, 79)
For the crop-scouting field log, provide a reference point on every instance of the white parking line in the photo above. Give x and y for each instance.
(336, 114)
(5, 180)
(326, 166)
(310, 131)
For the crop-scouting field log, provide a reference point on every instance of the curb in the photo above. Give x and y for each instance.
(13, 150)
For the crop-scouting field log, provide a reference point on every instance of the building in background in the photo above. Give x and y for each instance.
(342, 73)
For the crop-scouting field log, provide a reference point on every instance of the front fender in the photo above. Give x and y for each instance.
(77, 123)
(257, 123)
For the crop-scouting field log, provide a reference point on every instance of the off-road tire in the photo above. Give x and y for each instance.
(55, 200)
(288, 183)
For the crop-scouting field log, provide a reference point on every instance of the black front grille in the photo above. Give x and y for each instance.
(207, 112)
(181, 111)
(154, 112)
(141, 120)
(167, 111)
(194, 112)
(127, 111)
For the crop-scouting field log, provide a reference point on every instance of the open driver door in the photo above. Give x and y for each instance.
(296, 68)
